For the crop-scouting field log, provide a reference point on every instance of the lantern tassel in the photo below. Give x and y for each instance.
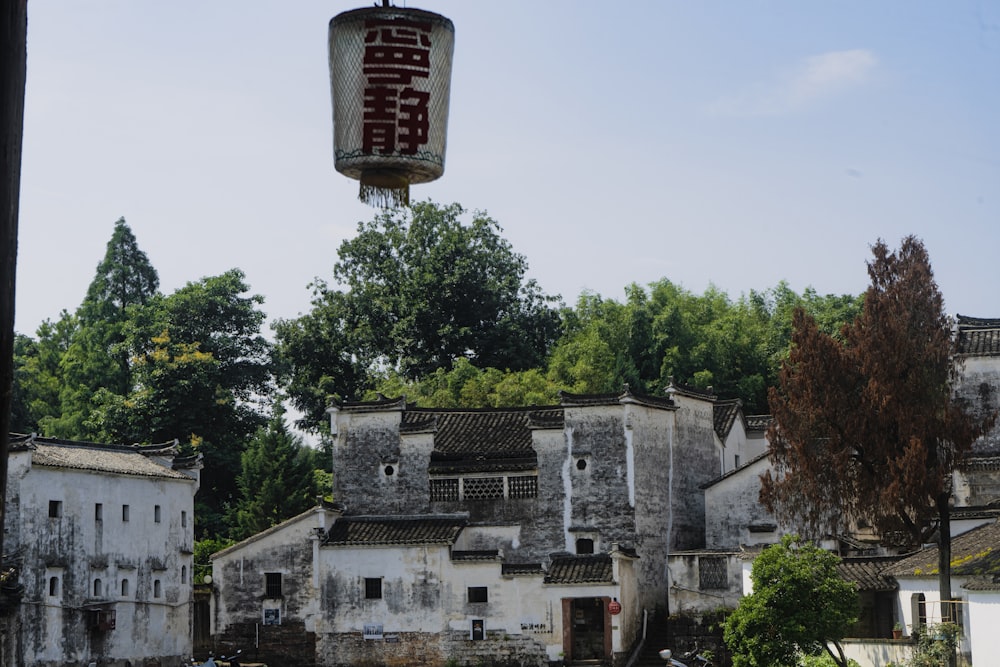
(385, 188)
(374, 195)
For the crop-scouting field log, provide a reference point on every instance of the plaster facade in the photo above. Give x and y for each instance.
(104, 535)
(520, 536)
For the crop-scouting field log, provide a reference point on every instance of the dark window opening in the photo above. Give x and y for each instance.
(712, 573)
(53, 586)
(389, 471)
(272, 585)
(585, 545)
(373, 588)
(156, 513)
(581, 464)
(98, 512)
(124, 512)
(55, 509)
(478, 594)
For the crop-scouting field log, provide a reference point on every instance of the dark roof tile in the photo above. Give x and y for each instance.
(975, 553)
(758, 423)
(868, 573)
(395, 530)
(724, 414)
(588, 569)
(978, 336)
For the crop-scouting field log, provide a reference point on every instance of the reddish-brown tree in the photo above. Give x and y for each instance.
(865, 424)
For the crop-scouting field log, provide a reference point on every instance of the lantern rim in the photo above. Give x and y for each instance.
(363, 13)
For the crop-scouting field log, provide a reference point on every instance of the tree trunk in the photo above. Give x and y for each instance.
(13, 58)
(944, 564)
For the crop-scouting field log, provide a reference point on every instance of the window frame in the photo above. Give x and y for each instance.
(373, 588)
(478, 594)
(272, 585)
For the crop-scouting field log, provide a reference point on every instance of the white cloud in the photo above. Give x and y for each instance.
(813, 79)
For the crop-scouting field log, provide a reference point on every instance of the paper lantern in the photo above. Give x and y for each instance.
(390, 78)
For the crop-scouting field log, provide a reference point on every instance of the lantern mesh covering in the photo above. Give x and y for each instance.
(390, 78)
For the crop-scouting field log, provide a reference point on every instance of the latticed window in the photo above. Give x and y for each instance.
(272, 585)
(712, 573)
(525, 486)
(444, 489)
(482, 488)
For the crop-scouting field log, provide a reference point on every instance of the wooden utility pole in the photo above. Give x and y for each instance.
(13, 59)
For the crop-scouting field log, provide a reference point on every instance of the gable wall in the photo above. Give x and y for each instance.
(978, 388)
(78, 549)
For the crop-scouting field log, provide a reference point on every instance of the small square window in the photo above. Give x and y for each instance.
(585, 545)
(98, 512)
(478, 594)
(272, 585)
(156, 513)
(55, 509)
(713, 573)
(124, 512)
(373, 588)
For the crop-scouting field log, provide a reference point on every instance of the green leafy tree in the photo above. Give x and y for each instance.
(799, 606)
(466, 386)
(866, 425)
(202, 371)
(422, 290)
(278, 480)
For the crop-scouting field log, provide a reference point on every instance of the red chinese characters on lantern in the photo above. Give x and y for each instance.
(397, 53)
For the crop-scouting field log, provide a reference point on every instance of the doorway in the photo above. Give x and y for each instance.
(586, 630)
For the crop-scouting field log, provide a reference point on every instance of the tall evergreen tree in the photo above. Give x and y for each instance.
(866, 425)
(277, 479)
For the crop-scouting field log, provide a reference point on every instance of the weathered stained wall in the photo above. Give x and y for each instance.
(688, 593)
(240, 593)
(425, 613)
(89, 553)
(978, 390)
(734, 515)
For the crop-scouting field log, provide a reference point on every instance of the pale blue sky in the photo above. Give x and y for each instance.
(738, 143)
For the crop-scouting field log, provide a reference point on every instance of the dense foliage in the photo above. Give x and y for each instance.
(799, 606)
(430, 302)
(422, 289)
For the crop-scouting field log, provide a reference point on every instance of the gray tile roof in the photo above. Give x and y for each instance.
(515, 569)
(626, 396)
(975, 553)
(396, 530)
(481, 440)
(868, 573)
(724, 415)
(978, 336)
(588, 569)
(110, 459)
(758, 423)
(477, 556)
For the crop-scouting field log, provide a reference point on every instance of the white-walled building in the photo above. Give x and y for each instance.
(103, 536)
(513, 536)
